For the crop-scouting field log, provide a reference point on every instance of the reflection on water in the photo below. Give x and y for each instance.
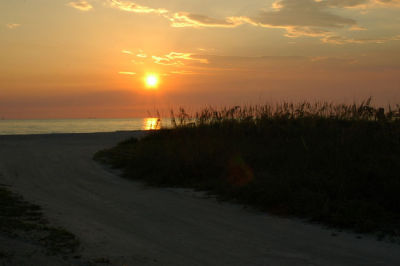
(151, 123)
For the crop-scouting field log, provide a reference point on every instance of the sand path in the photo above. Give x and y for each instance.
(132, 224)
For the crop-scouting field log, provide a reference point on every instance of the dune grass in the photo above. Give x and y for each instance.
(335, 164)
(23, 220)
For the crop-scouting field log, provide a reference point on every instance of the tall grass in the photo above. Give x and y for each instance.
(336, 164)
(258, 113)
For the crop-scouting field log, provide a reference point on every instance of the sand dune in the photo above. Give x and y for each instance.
(132, 224)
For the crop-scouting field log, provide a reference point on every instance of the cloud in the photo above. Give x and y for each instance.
(357, 28)
(142, 55)
(302, 13)
(165, 61)
(298, 17)
(347, 3)
(175, 58)
(12, 26)
(183, 72)
(388, 2)
(361, 3)
(179, 19)
(127, 73)
(170, 59)
(126, 52)
(185, 56)
(295, 31)
(185, 19)
(81, 5)
(312, 18)
(135, 8)
(345, 40)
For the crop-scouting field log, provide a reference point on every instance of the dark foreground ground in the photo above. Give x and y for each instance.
(126, 223)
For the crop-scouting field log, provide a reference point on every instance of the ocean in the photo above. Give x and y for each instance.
(50, 126)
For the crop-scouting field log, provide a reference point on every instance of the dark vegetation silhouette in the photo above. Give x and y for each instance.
(330, 163)
(25, 222)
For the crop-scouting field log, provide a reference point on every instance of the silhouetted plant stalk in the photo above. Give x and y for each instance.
(288, 111)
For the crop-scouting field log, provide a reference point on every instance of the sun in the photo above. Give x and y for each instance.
(152, 81)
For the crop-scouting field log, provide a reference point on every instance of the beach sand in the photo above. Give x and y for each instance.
(132, 224)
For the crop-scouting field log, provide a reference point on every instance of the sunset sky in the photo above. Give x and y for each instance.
(78, 59)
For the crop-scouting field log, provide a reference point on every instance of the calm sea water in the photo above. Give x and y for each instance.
(18, 127)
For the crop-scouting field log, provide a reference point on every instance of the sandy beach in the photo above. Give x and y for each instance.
(133, 224)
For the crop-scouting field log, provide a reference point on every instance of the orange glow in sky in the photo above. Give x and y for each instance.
(122, 58)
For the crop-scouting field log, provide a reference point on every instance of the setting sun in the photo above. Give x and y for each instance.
(151, 81)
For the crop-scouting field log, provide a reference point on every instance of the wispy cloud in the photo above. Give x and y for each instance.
(345, 40)
(127, 73)
(185, 19)
(313, 18)
(185, 56)
(290, 14)
(388, 2)
(175, 58)
(357, 28)
(81, 5)
(297, 17)
(12, 26)
(142, 55)
(177, 19)
(365, 4)
(302, 17)
(183, 72)
(136, 8)
(346, 3)
(126, 52)
(165, 61)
